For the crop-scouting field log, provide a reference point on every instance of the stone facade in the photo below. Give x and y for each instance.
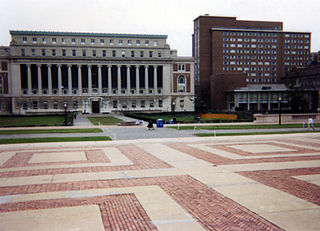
(94, 73)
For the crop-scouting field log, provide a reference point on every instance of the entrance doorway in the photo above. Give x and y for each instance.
(95, 107)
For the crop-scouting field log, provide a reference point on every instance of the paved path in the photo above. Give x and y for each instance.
(186, 184)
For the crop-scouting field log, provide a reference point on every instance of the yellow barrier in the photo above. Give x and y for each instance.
(219, 116)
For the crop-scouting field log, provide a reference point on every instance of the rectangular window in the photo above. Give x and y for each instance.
(120, 42)
(64, 52)
(146, 43)
(84, 53)
(33, 52)
(44, 40)
(143, 103)
(34, 40)
(141, 54)
(160, 103)
(159, 54)
(55, 105)
(35, 105)
(45, 105)
(92, 41)
(25, 106)
(155, 43)
(94, 53)
(133, 104)
(73, 41)
(43, 51)
(104, 53)
(54, 40)
(115, 104)
(23, 52)
(123, 54)
(129, 43)
(83, 41)
(63, 40)
(132, 54)
(24, 39)
(151, 103)
(114, 53)
(150, 54)
(74, 53)
(53, 52)
(111, 41)
(102, 41)
(138, 42)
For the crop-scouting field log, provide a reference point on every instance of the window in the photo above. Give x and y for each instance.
(83, 41)
(24, 39)
(23, 52)
(54, 40)
(159, 54)
(132, 54)
(73, 41)
(141, 54)
(63, 40)
(129, 43)
(151, 103)
(120, 42)
(155, 43)
(133, 104)
(181, 84)
(45, 105)
(114, 53)
(75, 105)
(182, 103)
(33, 52)
(25, 106)
(92, 41)
(160, 103)
(43, 51)
(138, 42)
(146, 43)
(74, 53)
(44, 40)
(35, 105)
(111, 41)
(115, 104)
(84, 53)
(123, 54)
(55, 105)
(34, 40)
(142, 103)
(102, 41)
(104, 53)
(94, 53)
(53, 52)
(64, 52)
(150, 54)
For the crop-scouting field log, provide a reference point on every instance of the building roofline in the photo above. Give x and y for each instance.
(210, 16)
(84, 34)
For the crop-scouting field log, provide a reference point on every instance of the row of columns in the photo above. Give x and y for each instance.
(90, 79)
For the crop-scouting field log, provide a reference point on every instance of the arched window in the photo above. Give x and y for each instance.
(181, 84)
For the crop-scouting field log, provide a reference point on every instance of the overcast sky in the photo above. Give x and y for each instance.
(169, 17)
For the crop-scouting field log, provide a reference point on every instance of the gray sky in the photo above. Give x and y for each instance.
(170, 17)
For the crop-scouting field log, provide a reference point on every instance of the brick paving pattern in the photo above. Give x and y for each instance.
(208, 207)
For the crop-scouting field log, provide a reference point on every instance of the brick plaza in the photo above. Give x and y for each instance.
(269, 182)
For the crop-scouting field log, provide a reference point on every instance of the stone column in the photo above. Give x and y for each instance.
(59, 80)
(137, 80)
(29, 79)
(69, 80)
(79, 80)
(155, 78)
(89, 80)
(49, 80)
(119, 79)
(99, 80)
(109, 80)
(39, 79)
(128, 80)
(146, 79)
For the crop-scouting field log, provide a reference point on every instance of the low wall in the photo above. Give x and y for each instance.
(218, 116)
(286, 118)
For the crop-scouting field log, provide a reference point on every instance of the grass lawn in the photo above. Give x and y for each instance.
(108, 120)
(46, 131)
(23, 121)
(250, 133)
(53, 139)
(239, 126)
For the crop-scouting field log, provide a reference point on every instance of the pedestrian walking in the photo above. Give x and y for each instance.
(310, 123)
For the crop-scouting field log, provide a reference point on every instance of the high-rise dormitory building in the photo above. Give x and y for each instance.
(40, 72)
(231, 53)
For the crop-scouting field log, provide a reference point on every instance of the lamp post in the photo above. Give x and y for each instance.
(279, 110)
(173, 107)
(66, 114)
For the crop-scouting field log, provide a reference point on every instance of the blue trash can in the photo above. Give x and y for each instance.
(160, 123)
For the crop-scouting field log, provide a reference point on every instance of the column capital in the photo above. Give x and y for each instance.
(59, 65)
(99, 65)
(128, 66)
(38, 65)
(89, 65)
(69, 65)
(79, 65)
(137, 66)
(109, 66)
(48, 65)
(118, 66)
(28, 65)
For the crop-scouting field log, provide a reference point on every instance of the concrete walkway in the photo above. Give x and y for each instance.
(186, 184)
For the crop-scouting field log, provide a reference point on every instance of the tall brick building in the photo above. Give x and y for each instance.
(259, 49)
